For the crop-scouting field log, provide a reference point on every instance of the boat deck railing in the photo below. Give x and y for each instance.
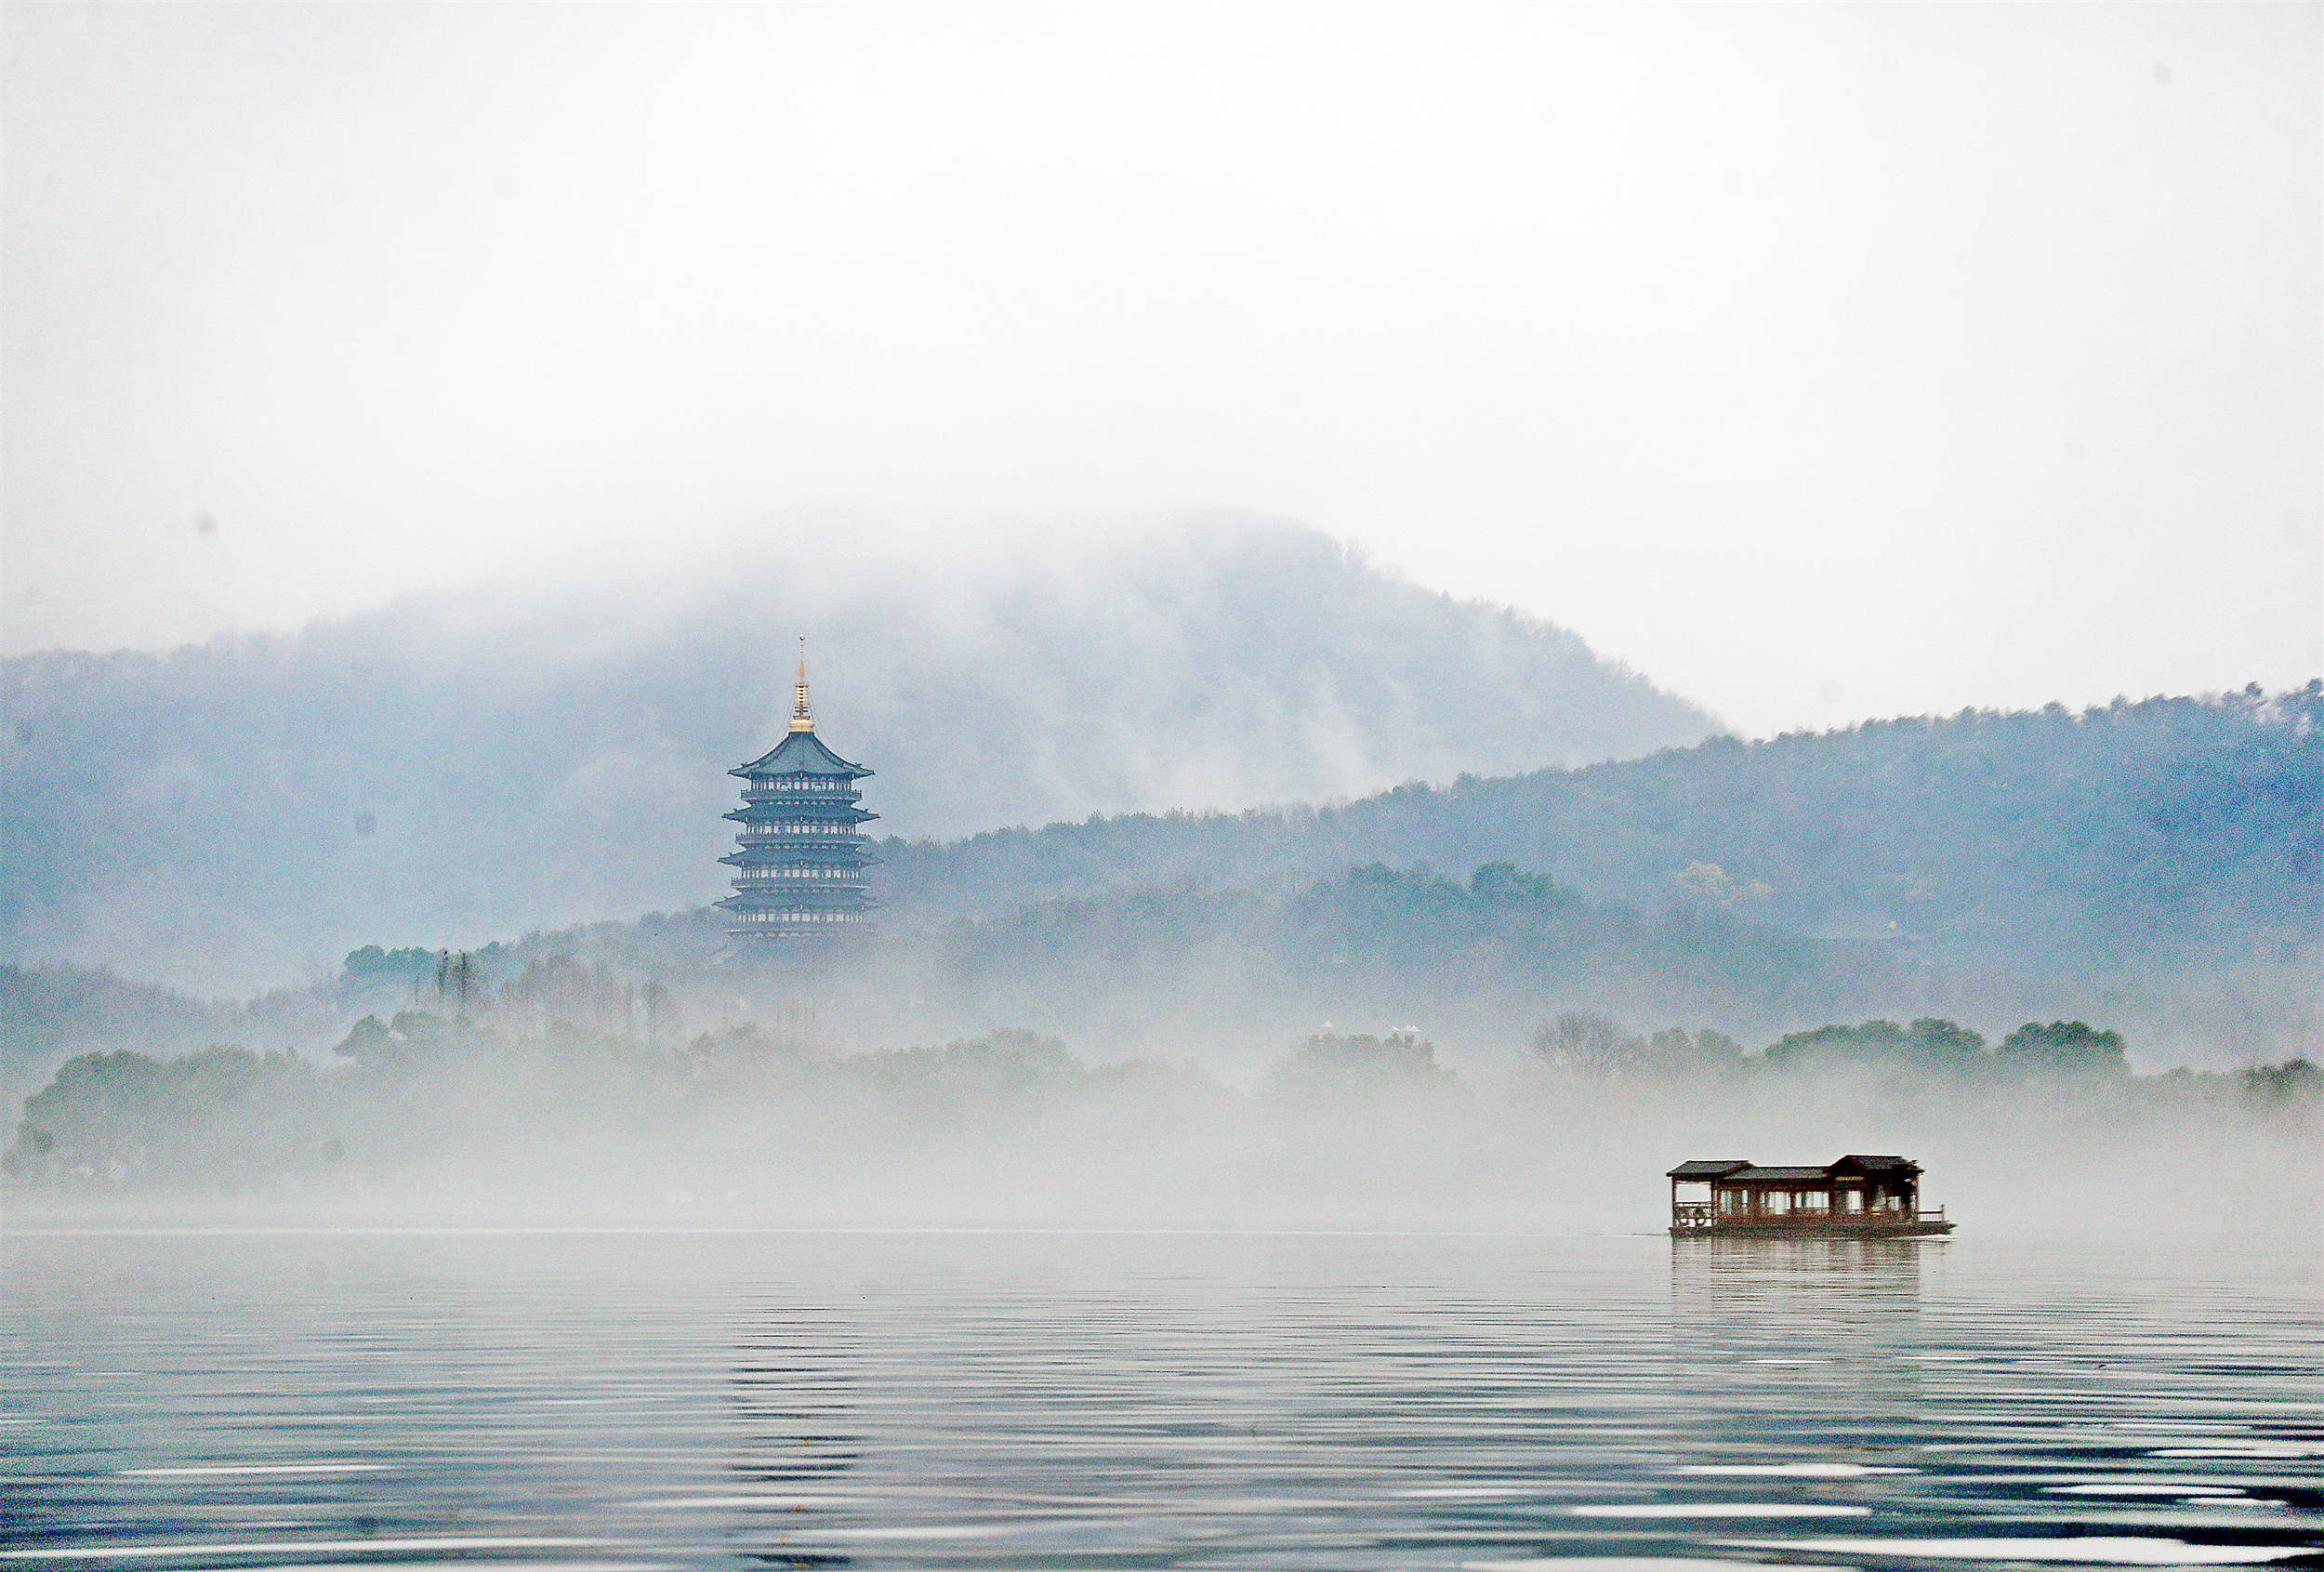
(1700, 1214)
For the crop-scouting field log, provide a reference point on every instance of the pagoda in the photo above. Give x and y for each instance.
(800, 867)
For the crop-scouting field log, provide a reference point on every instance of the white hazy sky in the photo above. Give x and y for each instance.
(1819, 361)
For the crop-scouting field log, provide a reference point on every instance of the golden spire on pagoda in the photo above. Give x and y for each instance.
(801, 718)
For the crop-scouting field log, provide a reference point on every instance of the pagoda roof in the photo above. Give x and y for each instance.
(800, 753)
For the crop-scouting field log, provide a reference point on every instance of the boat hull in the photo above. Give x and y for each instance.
(1814, 1231)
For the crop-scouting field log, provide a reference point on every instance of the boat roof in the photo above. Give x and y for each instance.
(1743, 1169)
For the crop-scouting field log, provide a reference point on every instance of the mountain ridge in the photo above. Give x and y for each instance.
(2169, 829)
(221, 814)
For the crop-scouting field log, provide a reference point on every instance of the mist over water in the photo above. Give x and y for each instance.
(1438, 609)
(1011, 1130)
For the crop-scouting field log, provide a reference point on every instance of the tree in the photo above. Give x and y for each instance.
(1010, 1067)
(1928, 1045)
(208, 1114)
(1936, 1043)
(2276, 1086)
(1588, 1046)
(1682, 1054)
(2065, 1048)
(410, 1040)
(1337, 1065)
(661, 1012)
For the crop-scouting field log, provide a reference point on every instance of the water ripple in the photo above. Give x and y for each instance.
(604, 1400)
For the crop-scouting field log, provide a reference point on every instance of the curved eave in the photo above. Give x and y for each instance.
(801, 753)
(774, 813)
(759, 767)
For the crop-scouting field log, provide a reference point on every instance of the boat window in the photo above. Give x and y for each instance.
(1812, 1200)
(1777, 1201)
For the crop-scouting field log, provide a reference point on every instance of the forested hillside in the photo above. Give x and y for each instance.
(2167, 833)
(2154, 864)
(451, 769)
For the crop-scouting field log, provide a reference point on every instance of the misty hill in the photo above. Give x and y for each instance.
(1230, 975)
(2180, 832)
(451, 769)
(48, 1014)
(1231, 972)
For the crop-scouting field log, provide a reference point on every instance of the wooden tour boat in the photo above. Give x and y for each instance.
(1855, 1197)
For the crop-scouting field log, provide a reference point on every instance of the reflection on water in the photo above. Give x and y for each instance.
(1779, 1344)
(738, 1399)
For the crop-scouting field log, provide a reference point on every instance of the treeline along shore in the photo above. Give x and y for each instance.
(762, 1121)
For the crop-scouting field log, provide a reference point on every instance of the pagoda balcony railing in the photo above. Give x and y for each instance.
(798, 918)
(798, 914)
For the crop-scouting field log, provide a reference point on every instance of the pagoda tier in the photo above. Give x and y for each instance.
(799, 855)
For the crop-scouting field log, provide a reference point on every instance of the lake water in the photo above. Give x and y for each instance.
(743, 1399)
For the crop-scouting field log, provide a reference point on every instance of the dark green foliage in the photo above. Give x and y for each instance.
(222, 1114)
(1512, 935)
(1927, 1045)
(402, 966)
(1336, 1067)
(414, 1038)
(1006, 1066)
(1496, 944)
(1717, 1048)
(2065, 1048)
(2164, 832)
(2278, 1086)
